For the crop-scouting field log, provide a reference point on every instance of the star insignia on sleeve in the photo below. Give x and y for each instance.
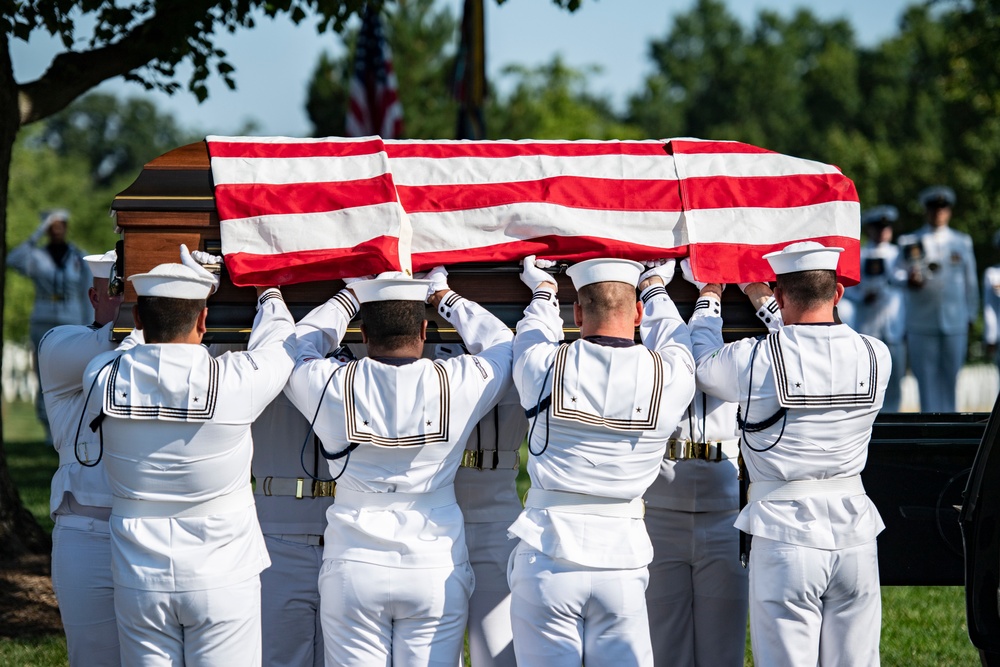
(428, 422)
(365, 422)
(573, 399)
(638, 409)
(798, 384)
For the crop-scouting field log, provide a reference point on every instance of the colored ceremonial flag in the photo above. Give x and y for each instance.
(374, 106)
(469, 76)
(308, 208)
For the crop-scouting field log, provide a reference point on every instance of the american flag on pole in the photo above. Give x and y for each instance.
(307, 209)
(374, 107)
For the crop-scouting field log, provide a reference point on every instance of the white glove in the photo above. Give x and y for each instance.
(532, 274)
(688, 276)
(206, 257)
(193, 264)
(661, 268)
(439, 280)
(349, 281)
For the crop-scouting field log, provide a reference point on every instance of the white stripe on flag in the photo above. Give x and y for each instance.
(229, 171)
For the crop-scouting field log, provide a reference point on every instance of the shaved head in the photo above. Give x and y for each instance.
(607, 301)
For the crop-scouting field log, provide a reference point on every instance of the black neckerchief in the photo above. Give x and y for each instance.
(395, 361)
(58, 252)
(610, 341)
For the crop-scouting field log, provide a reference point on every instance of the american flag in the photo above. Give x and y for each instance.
(295, 210)
(374, 106)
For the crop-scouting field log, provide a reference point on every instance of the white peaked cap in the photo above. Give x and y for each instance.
(394, 286)
(804, 256)
(605, 271)
(100, 265)
(174, 281)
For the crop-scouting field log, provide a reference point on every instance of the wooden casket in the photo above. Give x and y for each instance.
(172, 202)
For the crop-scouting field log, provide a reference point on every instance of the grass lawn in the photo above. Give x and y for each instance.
(921, 626)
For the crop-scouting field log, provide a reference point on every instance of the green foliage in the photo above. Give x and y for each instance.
(45, 651)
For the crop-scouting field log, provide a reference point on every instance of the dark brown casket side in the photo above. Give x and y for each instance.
(172, 202)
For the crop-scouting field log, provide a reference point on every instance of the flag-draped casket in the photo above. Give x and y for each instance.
(304, 212)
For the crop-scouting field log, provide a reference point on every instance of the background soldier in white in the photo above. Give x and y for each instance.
(879, 297)
(814, 587)
(396, 580)
(942, 299)
(697, 594)
(604, 409)
(486, 489)
(61, 279)
(186, 545)
(80, 503)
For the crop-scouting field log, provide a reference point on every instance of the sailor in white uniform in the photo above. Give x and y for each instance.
(879, 298)
(697, 594)
(808, 395)
(602, 409)
(80, 503)
(396, 578)
(942, 300)
(186, 545)
(486, 489)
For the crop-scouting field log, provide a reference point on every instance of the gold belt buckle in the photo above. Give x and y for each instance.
(688, 449)
(324, 489)
(718, 451)
(699, 450)
(671, 454)
(472, 459)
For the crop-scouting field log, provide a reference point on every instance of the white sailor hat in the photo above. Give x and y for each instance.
(883, 215)
(803, 256)
(100, 265)
(175, 281)
(391, 286)
(937, 196)
(605, 270)
(55, 214)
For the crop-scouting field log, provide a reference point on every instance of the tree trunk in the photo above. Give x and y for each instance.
(19, 532)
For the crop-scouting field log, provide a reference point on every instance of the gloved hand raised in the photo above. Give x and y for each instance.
(439, 280)
(532, 274)
(659, 268)
(195, 265)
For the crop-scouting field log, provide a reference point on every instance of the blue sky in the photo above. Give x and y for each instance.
(275, 60)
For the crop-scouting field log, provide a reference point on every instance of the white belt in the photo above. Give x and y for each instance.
(718, 450)
(396, 501)
(581, 503)
(67, 455)
(83, 523)
(483, 460)
(296, 487)
(805, 488)
(173, 509)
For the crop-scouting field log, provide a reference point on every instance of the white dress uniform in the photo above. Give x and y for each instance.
(291, 508)
(814, 587)
(697, 594)
(939, 313)
(396, 580)
(186, 544)
(578, 576)
(880, 310)
(80, 502)
(486, 489)
(991, 307)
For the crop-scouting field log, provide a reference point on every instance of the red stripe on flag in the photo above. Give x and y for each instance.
(371, 257)
(741, 263)
(569, 248)
(498, 149)
(240, 149)
(790, 191)
(602, 194)
(682, 147)
(247, 200)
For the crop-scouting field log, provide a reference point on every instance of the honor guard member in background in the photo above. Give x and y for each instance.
(814, 587)
(942, 300)
(486, 489)
(186, 545)
(697, 594)
(602, 410)
(80, 503)
(879, 297)
(396, 578)
(991, 306)
(61, 279)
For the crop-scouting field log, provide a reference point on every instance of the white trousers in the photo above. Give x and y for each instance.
(935, 360)
(218, 627)
(564, 614)
(814, 607)
(396, 617)
(697, 593)
(81, 578)
(289, 603)
(491, 641)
